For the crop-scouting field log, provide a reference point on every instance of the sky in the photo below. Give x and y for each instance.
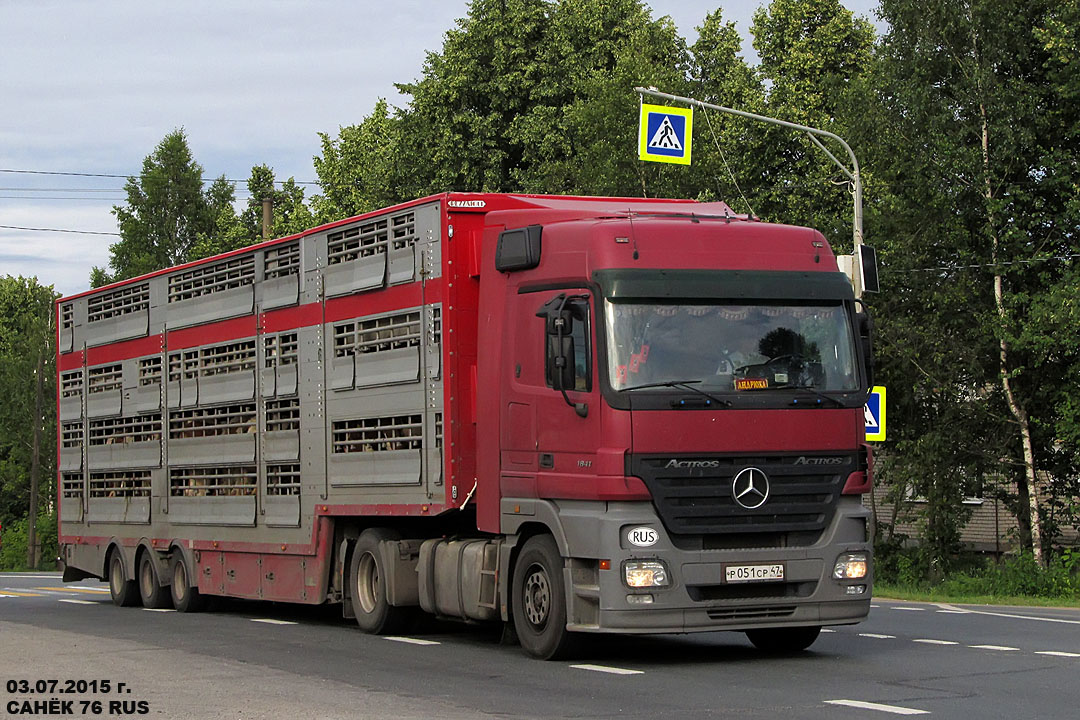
(92, 87)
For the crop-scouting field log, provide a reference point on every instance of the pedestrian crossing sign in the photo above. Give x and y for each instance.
(665, 134)
(874, 415)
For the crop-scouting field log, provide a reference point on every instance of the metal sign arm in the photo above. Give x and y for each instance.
(811, 132)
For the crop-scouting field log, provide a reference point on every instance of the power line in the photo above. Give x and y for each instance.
(59, 230)
(125, 177)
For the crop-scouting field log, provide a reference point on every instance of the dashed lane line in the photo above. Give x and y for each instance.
(271, 621)
(16, 593)
(78, 602)
(909, 609)
(411, 641)
(877, 636)
(75, 589)
(159, 609)
(827, 630)
(862, 705)
(999, 648)
(609, 670)
(931, 641)
(1012, 615)
(1058, 653)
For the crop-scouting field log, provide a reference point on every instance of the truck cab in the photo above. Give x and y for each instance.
(670, 400)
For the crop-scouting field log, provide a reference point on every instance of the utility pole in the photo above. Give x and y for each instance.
(812, 133)
(267, 217)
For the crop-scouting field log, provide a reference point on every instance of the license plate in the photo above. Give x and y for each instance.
(753, 573)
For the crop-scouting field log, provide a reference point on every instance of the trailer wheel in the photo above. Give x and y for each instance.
(539, 600)
(153, 595)
(185, 598)
(367, 586)
(123, 591)
(783, 640)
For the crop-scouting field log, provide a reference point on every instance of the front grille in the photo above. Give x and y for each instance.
(746, 591)
(693, 495)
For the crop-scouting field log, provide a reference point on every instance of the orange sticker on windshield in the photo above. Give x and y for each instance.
(751, 384)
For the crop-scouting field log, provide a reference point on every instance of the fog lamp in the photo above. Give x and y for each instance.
(851, 566)
(642, 573)
(639, 599)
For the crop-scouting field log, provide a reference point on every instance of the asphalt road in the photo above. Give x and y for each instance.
(263, 660)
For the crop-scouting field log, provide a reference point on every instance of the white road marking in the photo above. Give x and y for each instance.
(78, 602)
(875, 606)
(953, 612)
(825, 630)
(1057, 653)
(270, 621)
(879, 637)
(32, 577)
(1002, 648)
(929, 641)
(3, 595)
(894, 709)
(609, 670)
(912, 609)
(1014, 616)
(159, 610)
(411, 641)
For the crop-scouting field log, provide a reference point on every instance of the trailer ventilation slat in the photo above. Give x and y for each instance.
(371, 238)
(67, 316)
(279, 350)
(105, 378)
(223, 481)
(71, 383)
(236, 419)
(378, 434)
(71, 485)
(120, 484)
(125, 430)
(149, 371)
(204, 280)
(283, 479)
(281, 261)
(283, 414)
(71, 434)
(392, 332)
(123, 301)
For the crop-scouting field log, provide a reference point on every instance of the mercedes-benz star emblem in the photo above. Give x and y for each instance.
(750, 488)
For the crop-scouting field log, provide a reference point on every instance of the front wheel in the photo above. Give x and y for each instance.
(539, 600)
(367, 584)
(123, 591)
(783, 640)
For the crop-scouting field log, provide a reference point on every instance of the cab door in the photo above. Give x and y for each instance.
(551, 414)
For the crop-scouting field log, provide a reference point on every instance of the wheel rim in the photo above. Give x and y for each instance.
(537, 596)
(116, 576)
(367, 583)
(146, 577)
(179, 582)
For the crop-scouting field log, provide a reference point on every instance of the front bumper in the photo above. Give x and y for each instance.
(697, 598)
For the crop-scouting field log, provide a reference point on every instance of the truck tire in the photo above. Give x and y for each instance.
(783, 640)
(186, 599)
(123, 591)
(153, 595)
(539, 600)
(367, 586)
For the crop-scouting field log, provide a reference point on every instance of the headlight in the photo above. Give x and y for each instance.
(851, 566)
(642, 574)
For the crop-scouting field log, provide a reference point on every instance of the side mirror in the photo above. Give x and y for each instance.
(559, 314)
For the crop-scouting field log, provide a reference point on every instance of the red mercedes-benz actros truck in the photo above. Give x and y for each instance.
(571, 415)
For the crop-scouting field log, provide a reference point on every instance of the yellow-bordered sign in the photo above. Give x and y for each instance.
(874, 414)
(665, 134)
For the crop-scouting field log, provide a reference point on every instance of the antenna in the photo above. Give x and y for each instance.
(633, 235)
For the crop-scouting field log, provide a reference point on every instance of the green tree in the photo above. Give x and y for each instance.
(977, 122)
(28, 413)
(165, 213)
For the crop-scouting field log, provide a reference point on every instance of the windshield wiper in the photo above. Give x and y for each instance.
(811, 390)
(686, 385)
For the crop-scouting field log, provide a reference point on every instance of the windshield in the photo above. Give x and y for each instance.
(726, 347)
